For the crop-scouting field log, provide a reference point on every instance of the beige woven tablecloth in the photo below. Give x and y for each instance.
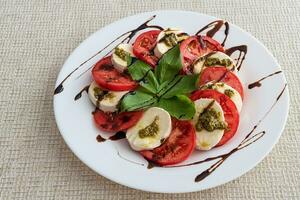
(35, 39)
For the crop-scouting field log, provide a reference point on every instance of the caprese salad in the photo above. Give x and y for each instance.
(171, 92)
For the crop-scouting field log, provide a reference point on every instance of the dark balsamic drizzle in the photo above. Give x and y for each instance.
(216, 26)
(215, 81)
(248, 140)
(258, 83)
(151, 165)
(117, 136)
(131, 33)
(242, 54)
(226, 33)
(85, 89)
(60, 87)
(129, 37)
(202, 43)
(99, 138)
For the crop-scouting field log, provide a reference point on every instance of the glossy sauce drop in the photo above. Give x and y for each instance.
(258, 82)
(85, 89)
(242, 49)
(99, 138)
(118, 136)
(131, 33)
(214, 27)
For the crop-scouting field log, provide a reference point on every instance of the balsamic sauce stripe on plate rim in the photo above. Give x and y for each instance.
(242, 49)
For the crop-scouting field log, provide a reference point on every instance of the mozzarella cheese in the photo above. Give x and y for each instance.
(229, 91)
(162, 121)
(106, 101)
(167, 39)
(205, 140)
(199, 64)
(120, 63)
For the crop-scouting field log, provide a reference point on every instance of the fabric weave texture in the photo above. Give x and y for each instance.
(35, 39)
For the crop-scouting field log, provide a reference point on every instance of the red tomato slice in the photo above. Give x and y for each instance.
(143, 46)
(216, 73)
(109, 78)
(112, 122)
(231, 113)
(179, 145)
(212, 45)
(190, 50)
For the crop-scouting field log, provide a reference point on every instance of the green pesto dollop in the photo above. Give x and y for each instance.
(182, 36)
(98, 93)
(201, 59)
(169, 39)
(210, 120)
(229, 93)
(210, 61)
(121, 53)
(109, 95)
(151, 130)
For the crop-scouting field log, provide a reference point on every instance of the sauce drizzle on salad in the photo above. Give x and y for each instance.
(248, 140)
(258, 83)
(131, 33)
(212, 28)
(242, 54)
(85, 89)
(151, 164)
(117, 136)
(216, 27)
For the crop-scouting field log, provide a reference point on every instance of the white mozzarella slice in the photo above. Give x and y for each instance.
(167, 39)
(107, 101)
(229, 91)
(205, 140)
(199, 64)
(120, 62)
(153, 117)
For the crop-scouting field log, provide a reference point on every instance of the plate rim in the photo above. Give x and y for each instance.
(148, 189)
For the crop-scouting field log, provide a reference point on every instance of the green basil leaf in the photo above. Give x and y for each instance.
(179, 106)
(138, 70)
(168, 85)
(150, 83)
(142, 72)
(128, 59)
(187, 84)
(169, 65)
(137, 100)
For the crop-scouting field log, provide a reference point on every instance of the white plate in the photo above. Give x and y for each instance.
(116, 161)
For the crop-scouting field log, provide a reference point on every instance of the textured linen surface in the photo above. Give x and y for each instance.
(35, 39)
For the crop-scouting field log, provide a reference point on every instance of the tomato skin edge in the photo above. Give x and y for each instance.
(230, 78)
(101, 118)
(213, 42)
(102, 81)
(144, 53)
(235, 114)
(148, 154)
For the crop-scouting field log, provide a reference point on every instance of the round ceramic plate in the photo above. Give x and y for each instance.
(262, 118)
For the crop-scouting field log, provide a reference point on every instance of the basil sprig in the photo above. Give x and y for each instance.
(164, 87)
